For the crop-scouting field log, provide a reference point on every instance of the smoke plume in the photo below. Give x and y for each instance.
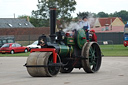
(72, 26)
(75, 25)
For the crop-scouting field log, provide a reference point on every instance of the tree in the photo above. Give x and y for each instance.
(82, 14)
(115, 14)
(87, 14)
(123, 14)
(64, 8)
(33, 20)
(102, 14)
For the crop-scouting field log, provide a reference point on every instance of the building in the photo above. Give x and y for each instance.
(21, 29)
(110, 24)
(109, 21)
(109, 30)
(15, 23)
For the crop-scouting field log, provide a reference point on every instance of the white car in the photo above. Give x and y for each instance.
(34, 45)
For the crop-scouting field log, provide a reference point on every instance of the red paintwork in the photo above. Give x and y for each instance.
(84, 38)
(125, 43)
(53, 50)
(52, 8)
(67, 34)
(16, 49)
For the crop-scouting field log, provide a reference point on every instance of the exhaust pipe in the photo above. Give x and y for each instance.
(52, 20)
(52, 24)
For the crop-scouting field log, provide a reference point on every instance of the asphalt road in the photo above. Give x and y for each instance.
(114, 71)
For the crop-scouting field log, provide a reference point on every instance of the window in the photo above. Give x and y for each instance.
(13, 45)
(35, 43)
(10, 41)
(18, 45)
(10, 25)
(126, 30)
(19, 24)
(26, 24)
(6, 45)
(0, 42)
(4, 41)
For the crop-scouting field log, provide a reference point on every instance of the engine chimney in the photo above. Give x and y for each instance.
(52, 20)
(52, 24)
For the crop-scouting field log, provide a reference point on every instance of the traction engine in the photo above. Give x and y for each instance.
(62, 52)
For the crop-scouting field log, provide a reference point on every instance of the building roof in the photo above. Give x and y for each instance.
(110, 29)
(107, 20)
(14, 23)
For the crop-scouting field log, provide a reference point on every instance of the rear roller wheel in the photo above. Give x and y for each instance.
(91, 51)
(42, 58)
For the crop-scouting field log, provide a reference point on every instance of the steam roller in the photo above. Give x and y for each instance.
(62, 52)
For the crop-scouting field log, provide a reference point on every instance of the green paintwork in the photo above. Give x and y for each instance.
(80, 40)
(64, 50)
(70, 41)
(71, 50)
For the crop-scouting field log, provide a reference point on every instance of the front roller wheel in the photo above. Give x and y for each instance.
(91, 51)
(42, 58)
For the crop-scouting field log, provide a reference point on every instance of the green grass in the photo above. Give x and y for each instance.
(15, 55)
(114, 50)
(107, 50)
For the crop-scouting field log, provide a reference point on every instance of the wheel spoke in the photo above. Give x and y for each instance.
(92, 51)
(94, 63)
(92, 57)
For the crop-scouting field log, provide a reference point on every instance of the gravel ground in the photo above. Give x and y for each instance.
(114, 71)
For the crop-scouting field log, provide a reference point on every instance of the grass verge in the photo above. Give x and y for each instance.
(15, 55)
(114, 50)
(107, 50)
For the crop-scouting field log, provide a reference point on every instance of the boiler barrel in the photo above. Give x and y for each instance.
(65, 50)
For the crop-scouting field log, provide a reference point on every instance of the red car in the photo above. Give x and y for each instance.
(13, 48)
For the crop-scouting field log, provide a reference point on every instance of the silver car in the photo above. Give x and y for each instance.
(34, 45)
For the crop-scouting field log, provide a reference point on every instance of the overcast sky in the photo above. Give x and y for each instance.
(25, 7)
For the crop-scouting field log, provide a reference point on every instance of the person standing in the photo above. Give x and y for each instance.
(93, 37)
(85, 25)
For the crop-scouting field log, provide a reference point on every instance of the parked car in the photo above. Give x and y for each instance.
(34, 45)
(13, 48)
